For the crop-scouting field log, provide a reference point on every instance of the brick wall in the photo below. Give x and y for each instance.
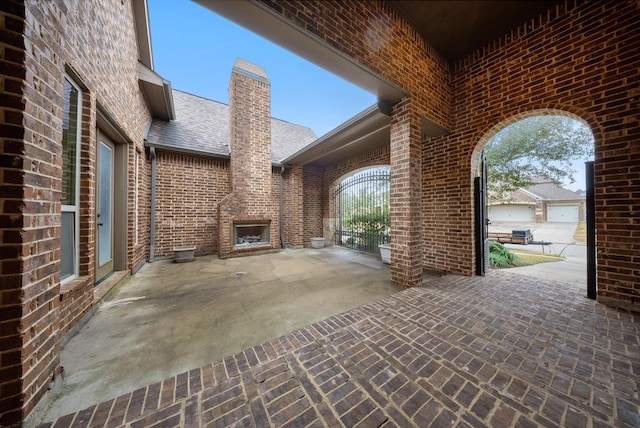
(406, 195)
(94, 41)
(29, 208)
(582, 63)
(293, 205)
(579, 59)
(314, 197)
(518, 196)
(188, 191)
(140, 249)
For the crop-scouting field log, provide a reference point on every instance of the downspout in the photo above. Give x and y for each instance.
(281, 204)
(152, 233)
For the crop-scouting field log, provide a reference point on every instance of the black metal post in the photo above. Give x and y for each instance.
(477, 184)
(592, 291)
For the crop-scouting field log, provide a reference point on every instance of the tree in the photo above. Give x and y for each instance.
(534, 149)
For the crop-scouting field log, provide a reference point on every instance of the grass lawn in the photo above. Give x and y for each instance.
(528, 258)
(580, 235)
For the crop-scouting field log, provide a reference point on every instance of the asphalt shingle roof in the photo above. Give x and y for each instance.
(552, 191)
(202, 126)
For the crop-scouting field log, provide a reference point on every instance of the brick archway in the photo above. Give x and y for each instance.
(573, 113)
(576, 114)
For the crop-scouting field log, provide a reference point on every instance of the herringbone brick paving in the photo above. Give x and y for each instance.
(504, 350)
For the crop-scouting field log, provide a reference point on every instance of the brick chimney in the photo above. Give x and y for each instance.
(248, 217)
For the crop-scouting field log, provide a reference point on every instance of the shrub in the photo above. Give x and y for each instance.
(501, 257)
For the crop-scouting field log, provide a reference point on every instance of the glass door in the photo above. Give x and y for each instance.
(104, 209)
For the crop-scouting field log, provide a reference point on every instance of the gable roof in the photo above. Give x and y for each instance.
(201, 127)
(551, 191)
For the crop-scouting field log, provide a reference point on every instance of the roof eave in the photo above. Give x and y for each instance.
(186, 151)
(143, 32)
(335, 139)
(157, 91)
(202, 153)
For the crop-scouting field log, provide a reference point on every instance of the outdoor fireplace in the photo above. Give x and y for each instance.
(247, 215)
(251, 234)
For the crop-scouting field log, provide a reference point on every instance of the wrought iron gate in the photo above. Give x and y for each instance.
(362, 210)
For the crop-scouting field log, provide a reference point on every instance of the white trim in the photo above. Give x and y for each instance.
(136, 197)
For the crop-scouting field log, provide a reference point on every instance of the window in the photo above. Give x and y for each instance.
(136, 193)
(70, 181)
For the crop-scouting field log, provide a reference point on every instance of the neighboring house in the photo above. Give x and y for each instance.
(541, 202)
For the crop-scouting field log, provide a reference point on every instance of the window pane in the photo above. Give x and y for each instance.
(69, 143)
(67, 247)
(137, 207)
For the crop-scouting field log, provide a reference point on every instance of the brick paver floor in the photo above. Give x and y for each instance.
(504, 350)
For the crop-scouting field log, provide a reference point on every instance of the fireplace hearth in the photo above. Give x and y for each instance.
(251, 234)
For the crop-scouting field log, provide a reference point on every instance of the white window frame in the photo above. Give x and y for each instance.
(136, 196)
(75, 209)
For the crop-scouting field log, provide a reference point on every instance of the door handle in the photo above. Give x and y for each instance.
(100, 224)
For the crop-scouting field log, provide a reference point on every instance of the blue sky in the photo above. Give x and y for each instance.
(195, 49)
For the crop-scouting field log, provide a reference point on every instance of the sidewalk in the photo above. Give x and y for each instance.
(573, 269)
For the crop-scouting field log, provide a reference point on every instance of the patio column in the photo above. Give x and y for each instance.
(293, 206)
(406, 195)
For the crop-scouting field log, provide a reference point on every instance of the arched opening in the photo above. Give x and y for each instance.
(536, 194)
(362, 211)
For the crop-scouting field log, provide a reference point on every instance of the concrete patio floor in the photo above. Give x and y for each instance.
(172, 317)
(502, 350)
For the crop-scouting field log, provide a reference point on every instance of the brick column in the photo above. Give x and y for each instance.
(252, 197)
(406, 195)
(250, 129)
(293, 212)
(30, 140)
(314, 205)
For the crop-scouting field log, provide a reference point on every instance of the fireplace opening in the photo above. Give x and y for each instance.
(251, 234)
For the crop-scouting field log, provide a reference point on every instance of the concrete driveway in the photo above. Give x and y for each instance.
(560, 236)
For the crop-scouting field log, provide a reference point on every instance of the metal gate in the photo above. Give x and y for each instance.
(362, 210)
(482, 220)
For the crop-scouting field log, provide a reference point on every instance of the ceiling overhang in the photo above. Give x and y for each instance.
(458, 28)
(157, 92)
(364, 132)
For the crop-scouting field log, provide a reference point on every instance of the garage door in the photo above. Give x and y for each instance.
(562, 213)
(507, 212)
